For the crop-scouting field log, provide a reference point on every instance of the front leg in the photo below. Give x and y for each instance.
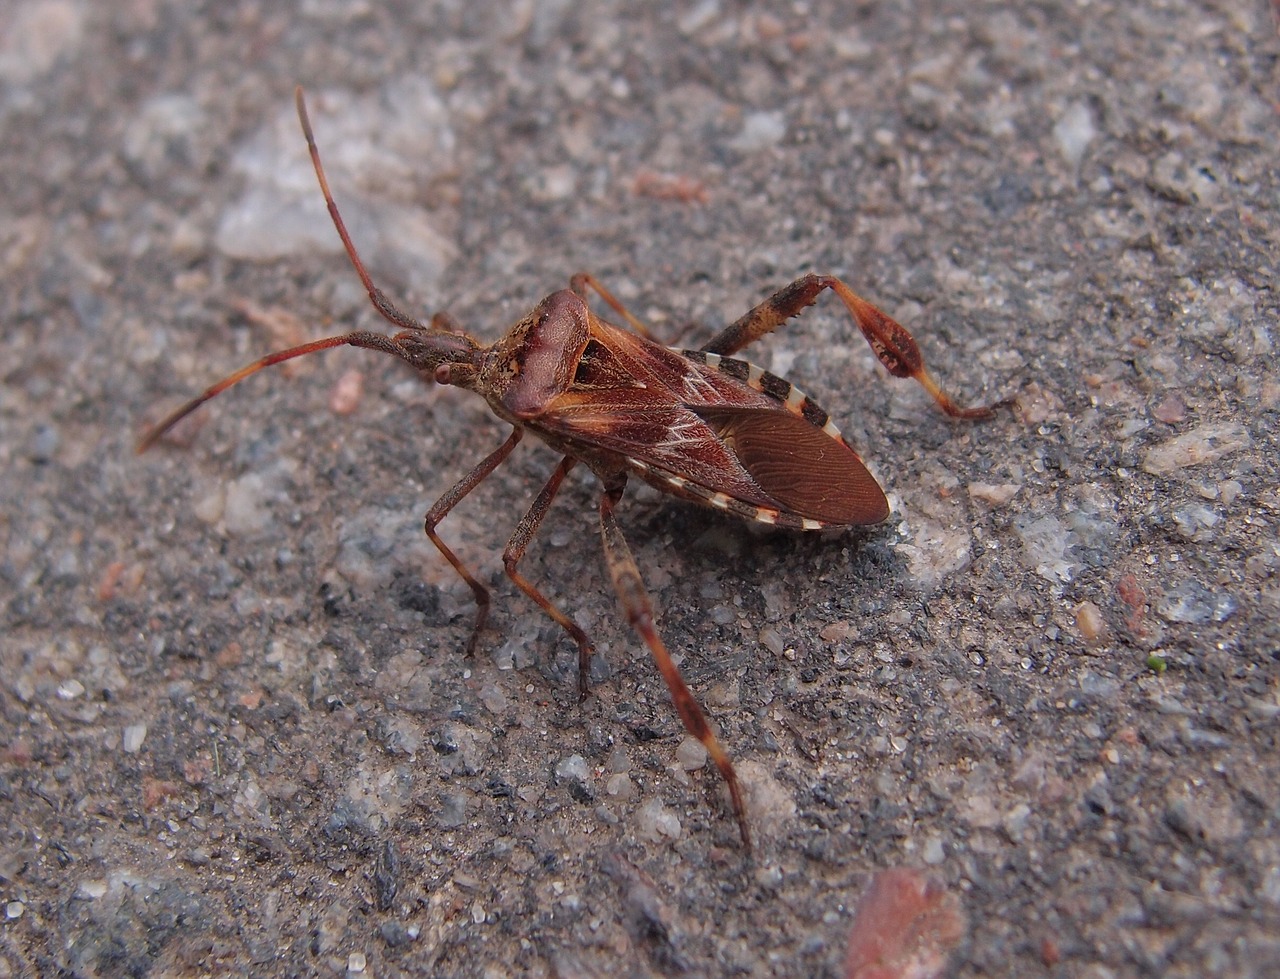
(639, 611)
(892, 343)
(581, 281)
(516, 547)
(440, 509)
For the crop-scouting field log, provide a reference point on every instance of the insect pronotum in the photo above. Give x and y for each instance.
(700, 424)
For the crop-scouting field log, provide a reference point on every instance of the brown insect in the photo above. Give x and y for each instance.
(698, 424)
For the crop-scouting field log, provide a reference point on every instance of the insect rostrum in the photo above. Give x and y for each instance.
(698, 424)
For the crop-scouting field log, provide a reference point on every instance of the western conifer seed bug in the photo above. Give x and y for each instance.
(700, 424)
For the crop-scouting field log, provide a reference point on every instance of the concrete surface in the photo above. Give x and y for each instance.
(238, 734)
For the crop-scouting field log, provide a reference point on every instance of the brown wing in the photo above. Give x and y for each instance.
(801, 467)
(707, 435)
(664, 439)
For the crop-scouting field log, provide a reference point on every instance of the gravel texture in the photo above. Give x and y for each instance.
(237, 732)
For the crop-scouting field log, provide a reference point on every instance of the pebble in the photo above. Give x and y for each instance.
(1171, 410)
(770, 876)
(91, 890)
(494, 700)
(70, 689)
(933, 852)
(691, 754)
(997, 494)
(760, 131)
(838, 631)
(572, 769)
(1208, 443)
(1193, 603)
(1045, 546)
(1186, 181)
(246, 511)
(936, 552)
(771, 803)
(776, 600)
(771, 640)
(1196, 522)
(905, 924)
(1074, 131)
(550, 185)
(1089, 621)
(520, 649)
(453, 810)
(620, 786)
(656, 822)
(134, 735)
(344, 398)
(723, 615)
(698, 16)
(395, 934)
(209, 508)
(44, 444)
(619, 760)
(1099, 687)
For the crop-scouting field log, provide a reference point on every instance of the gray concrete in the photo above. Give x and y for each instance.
(237, 733)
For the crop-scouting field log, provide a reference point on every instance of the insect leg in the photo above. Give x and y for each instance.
(763, 319)
(580, 282)
(890, 341)
(639, 611)
(440, 509)
(516, 547)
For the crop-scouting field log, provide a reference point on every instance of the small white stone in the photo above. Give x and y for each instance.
(1074, 131)
(997, 494)
(620, 786)
(700, 16)
(91, 890)
(760, 131)
(1208, 443)
(572, 769)
(134, 735)
(70, 689)
(494, 700)
(933, 852)
(247, 511)
(691, 754)
(657, 822)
